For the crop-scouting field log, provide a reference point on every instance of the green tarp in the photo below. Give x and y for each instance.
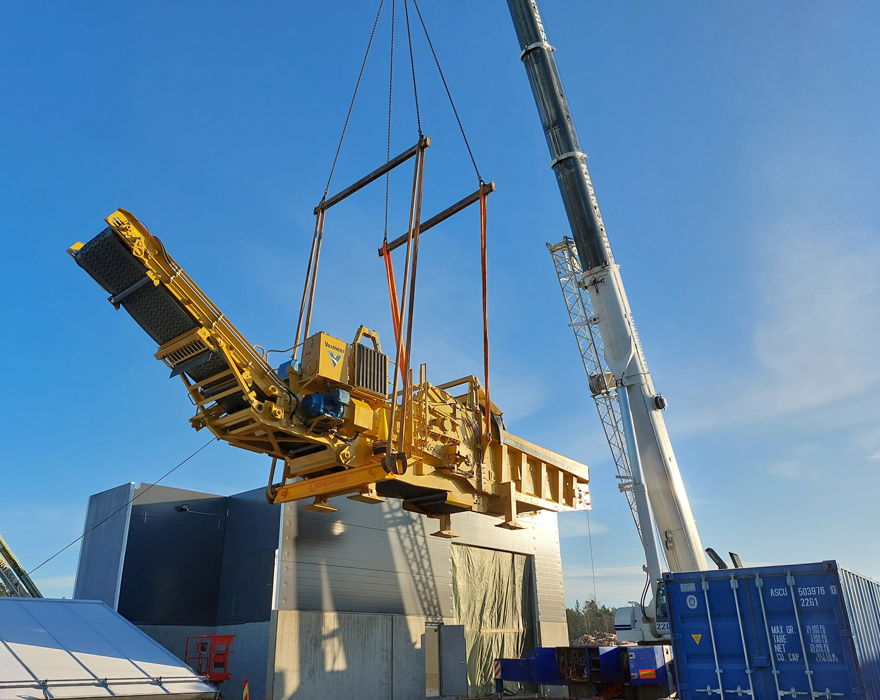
(494, 600)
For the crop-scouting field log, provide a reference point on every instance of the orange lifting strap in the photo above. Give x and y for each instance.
(392, 289)
(481, 195)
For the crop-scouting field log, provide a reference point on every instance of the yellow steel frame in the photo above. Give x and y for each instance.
(509, 476)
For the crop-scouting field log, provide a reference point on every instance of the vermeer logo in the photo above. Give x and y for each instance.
(334, 352)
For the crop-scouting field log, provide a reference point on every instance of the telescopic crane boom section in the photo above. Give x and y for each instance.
(611, 321)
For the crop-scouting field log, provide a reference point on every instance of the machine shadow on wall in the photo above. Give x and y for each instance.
(320, 603)
(361, 584)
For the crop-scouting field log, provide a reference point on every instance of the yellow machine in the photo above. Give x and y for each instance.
(326, 419)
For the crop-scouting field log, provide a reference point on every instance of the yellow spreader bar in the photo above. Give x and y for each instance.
(338, 483)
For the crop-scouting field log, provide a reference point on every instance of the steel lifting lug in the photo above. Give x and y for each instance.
(394, 464)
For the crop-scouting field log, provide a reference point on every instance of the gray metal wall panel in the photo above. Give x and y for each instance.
(248, 573)
(382, 559)
(101, 554)
(173, 559)
(364, 558)
(249, 659)
(173, 637)
(540, 539)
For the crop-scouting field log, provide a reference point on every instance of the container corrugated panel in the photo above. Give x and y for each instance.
(801, 631)
(862, 598)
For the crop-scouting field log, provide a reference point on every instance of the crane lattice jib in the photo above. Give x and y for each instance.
(589, 342)
(14, 580)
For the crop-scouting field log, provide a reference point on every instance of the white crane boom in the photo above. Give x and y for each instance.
(658, 493)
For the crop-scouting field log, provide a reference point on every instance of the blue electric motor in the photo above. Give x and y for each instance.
(331, 405)
(282, 370)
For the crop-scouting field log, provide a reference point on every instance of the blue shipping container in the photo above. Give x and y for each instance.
(802, 631)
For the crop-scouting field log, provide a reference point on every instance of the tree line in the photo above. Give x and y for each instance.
(591, 619)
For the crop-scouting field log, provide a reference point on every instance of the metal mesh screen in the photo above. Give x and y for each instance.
(371, 370)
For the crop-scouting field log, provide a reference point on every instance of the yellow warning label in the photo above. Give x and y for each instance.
(697, 637)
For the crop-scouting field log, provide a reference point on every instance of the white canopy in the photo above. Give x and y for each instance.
(82, 649)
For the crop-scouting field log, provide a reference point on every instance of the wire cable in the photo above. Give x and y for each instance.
(592, 563)
(412, 62)
(390, 94)
(448, 93)
(129, 502)
(354, 96)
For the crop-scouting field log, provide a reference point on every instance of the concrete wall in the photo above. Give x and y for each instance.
(300, 655)
(346, 655)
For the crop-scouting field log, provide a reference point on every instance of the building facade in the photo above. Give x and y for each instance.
(331, 604)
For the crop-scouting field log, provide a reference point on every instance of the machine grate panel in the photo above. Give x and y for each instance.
(187, 351)
(371, 370)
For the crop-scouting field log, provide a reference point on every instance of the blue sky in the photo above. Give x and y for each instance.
(734, 149)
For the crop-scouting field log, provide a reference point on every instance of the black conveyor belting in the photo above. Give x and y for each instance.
(424, 499)
(112, 265)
